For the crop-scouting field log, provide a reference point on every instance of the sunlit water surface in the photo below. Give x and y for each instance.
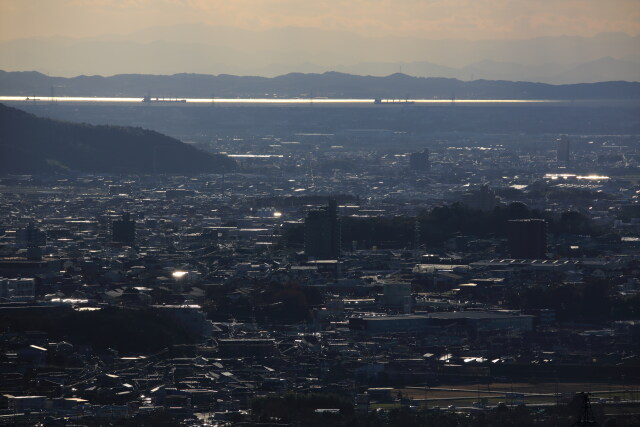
(178, 101)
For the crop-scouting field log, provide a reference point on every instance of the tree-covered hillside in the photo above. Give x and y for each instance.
(31, 144)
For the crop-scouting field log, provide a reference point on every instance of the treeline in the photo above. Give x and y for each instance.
(300, 409)
(126, 330)
(313, 199)
(592, 302)
(268, 302)
(436, 226)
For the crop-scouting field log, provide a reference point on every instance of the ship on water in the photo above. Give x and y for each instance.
(149, 99)
(380, 101)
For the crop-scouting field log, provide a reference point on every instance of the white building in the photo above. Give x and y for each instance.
(17, 289)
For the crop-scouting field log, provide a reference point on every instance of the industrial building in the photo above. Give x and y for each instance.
(469, 320)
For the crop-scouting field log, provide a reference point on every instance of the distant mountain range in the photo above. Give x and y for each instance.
(600, 70)
(330, 84)
(222, 50)
(30, 144)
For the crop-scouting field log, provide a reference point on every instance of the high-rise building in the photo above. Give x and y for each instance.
(527, 238)
(31, 236)
(124, 230)
(563, 149)
(322, 232)
(419, 162)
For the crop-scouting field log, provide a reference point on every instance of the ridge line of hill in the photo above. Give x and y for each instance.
(32, 144)
(329, 84)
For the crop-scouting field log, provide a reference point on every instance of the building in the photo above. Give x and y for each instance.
(423, 323)
(178, 193)
(322, 232)
(17, 289)
(237, 347)
(18, 404)
(563, 149)
(31, 237)
(419, 162)
(395, 294)
(527, 238)
(124, 230)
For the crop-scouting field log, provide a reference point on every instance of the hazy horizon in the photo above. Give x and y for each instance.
(551, 42)
(466, 19)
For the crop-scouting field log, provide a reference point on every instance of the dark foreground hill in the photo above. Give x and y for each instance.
(31, 144)
(330, 84)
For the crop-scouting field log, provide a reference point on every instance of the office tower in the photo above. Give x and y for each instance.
(31, 236)
(419, 162)
(322, 232)
(527, 238)
(563, 150)
(124, 230)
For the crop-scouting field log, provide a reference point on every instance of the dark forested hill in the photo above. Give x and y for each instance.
(330, 84)
(31, 144)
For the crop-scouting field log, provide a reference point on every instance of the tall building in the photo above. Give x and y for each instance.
(527, 238)
(124, 230)
(419, 162)
(563, 149)
(31, 236)
(322, 232)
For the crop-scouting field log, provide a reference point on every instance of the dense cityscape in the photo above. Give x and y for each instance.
(330, 278)
(285, 213)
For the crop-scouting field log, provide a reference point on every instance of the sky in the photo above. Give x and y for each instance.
(432, 19)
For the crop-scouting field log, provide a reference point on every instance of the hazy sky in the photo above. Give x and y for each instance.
(435, 19)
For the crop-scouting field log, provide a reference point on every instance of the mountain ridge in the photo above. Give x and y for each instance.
(329, 84)
(215, 50)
